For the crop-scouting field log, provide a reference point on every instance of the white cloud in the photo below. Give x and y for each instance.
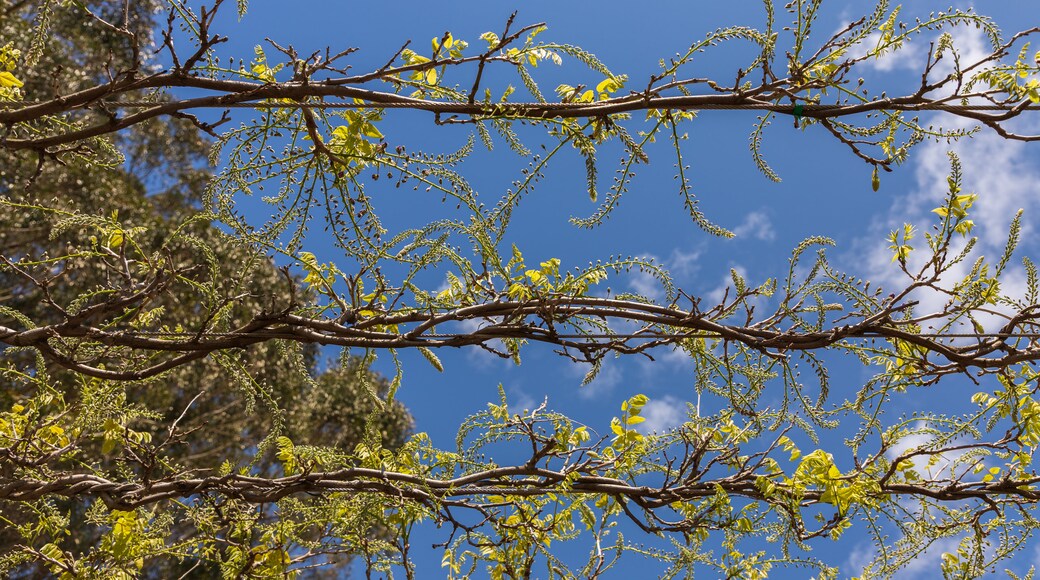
(479, 357)
(644, 284)
(1002, 172)
(859, 558)
(609, 376)
(757, 225)
(684, 263)
(672, 357)
(680, 263)
(910, 56)
(927, 564)
(716, 294)
(662, 414)
(519, 400)
(971, 44)
(940, 468)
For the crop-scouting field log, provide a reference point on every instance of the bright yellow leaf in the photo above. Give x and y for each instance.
(8, 80)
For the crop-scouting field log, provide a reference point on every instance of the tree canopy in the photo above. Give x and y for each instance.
(169, 397)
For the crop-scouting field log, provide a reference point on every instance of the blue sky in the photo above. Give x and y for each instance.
(825, 191)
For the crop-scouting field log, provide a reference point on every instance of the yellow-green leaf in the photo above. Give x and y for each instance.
(369, 130)
(8, 80)
(607, 86)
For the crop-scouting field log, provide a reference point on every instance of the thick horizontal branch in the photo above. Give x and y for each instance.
(814, 110)
(555, 321)
(775, 96)
(518, 481)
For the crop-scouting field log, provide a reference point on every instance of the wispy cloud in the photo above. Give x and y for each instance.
(644, 284)
(929, 466)
(756, 224)
(520, 400)
(927, 564)
(610, 376)
(971, 45)
(479, 357)
(662, 414)
(683, 263)
(859, 558)
(716, 294)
